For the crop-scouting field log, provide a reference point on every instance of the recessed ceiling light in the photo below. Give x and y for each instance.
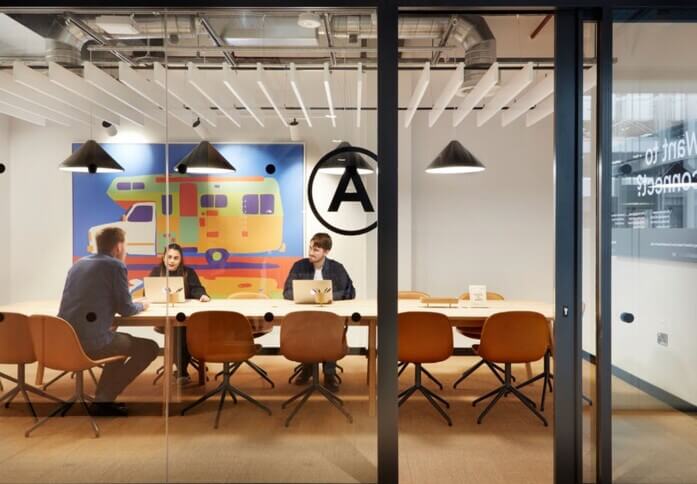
(117, 24)
(309, 20)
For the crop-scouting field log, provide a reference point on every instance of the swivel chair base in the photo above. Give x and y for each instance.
(78, 397)
(226, 388)
(403, 366)
(315, 386)
(430, 396)
(504, 390)
(23, 388)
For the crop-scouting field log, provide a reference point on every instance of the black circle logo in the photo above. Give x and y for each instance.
(324, 160)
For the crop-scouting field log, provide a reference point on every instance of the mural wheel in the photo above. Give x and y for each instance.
(216, 257)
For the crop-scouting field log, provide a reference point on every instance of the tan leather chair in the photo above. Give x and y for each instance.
(221, 337)
(412, 295)
(259, 329)
(513, 337)
(57, 347)
(424, 337)
(311, 337)
(16, 348)
(476, 333)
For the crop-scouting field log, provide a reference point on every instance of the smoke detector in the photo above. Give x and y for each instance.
(309, 20)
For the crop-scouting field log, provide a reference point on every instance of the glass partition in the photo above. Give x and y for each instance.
(476, 224)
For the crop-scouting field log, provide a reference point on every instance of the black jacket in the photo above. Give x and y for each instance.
(342, 286)
(192, 285)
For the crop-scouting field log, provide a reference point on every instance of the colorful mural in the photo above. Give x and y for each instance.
(240, 232)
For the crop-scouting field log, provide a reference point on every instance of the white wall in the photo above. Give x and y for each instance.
(495, 227)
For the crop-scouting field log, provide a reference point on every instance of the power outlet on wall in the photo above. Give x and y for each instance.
(662, 339)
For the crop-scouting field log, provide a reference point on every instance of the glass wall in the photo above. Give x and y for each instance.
(653, 272)
(209, 127)
(476, 225)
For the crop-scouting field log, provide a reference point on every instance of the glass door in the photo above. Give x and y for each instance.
(653, 208)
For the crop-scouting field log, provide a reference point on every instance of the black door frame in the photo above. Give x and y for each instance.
(570, 15)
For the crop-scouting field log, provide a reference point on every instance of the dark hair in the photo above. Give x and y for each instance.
(163, 266)
(321, 240)
(109, 238)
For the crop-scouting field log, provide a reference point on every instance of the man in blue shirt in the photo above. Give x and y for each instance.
(95, 290)
(317, 266)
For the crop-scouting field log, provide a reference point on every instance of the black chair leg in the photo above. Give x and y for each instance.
(226, 388)
(432, 398)
(79, 397)
(23, 388)
(432, 378)
(505, 389)
(468, 372)
(546, 376)
(315, 387)
(262, 373)
(296, 371)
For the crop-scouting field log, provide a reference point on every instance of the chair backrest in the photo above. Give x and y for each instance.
(411, 295)
(56, 344)
(215, 332)
(248, 295)
(313, 336)
(16, 346)
(491, 296)
(515, 337)
(424, 337)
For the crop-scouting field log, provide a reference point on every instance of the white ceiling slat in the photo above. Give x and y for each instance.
(535, 95)
(485, 84)
(418, 94)
(21, 114)
(211, 92)
(232, 84)
(186, 95)
(8, 85)
(77, 85)
(454, 82)
(506, 94)
(32, 79)
(103, 81)
(35, 109)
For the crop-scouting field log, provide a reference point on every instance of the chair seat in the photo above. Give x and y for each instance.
(231, 353)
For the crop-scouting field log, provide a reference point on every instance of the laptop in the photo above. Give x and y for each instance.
(304, 291)
(156, 289)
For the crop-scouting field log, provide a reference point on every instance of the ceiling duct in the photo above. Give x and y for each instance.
(264, 31)
(64, 41)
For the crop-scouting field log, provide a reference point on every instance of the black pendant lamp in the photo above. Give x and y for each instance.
(455, 158)
(91, 158)
(204, 159)
(338, 163)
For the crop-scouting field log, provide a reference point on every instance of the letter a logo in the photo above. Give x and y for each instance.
(360, 195)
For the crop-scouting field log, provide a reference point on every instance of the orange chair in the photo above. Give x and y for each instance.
(311, 337)
(221, 337)
(403, 365)
(513, 337)
(476, 333)
(257, 332)
(424, 337)
(57, 347)
(16, 348)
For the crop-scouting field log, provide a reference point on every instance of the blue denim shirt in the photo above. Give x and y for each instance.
(95, 290)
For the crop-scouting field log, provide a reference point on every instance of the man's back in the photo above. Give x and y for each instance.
(95, 290)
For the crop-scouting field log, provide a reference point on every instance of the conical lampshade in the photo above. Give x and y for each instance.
(204, 159)
(91, 158)
(338, 163)
(455, 158)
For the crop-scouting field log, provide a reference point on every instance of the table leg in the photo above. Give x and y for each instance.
(201, 373)
(372, 366)
(39, 375)
(528, 370)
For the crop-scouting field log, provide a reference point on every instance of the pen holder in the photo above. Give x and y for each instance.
(173, 297)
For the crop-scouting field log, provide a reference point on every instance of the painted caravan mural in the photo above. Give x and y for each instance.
(241, 232)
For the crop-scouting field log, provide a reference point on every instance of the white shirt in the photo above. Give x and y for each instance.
(318, 274)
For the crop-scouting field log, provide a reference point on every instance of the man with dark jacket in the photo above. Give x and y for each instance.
(317, 266)
(95, 290)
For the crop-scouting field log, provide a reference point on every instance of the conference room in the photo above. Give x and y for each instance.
(225, 263)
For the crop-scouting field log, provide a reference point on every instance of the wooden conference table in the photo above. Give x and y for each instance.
(257, 309)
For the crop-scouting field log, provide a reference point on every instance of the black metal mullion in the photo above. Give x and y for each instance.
(604, 240)
(388, 84)
(568, 180)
